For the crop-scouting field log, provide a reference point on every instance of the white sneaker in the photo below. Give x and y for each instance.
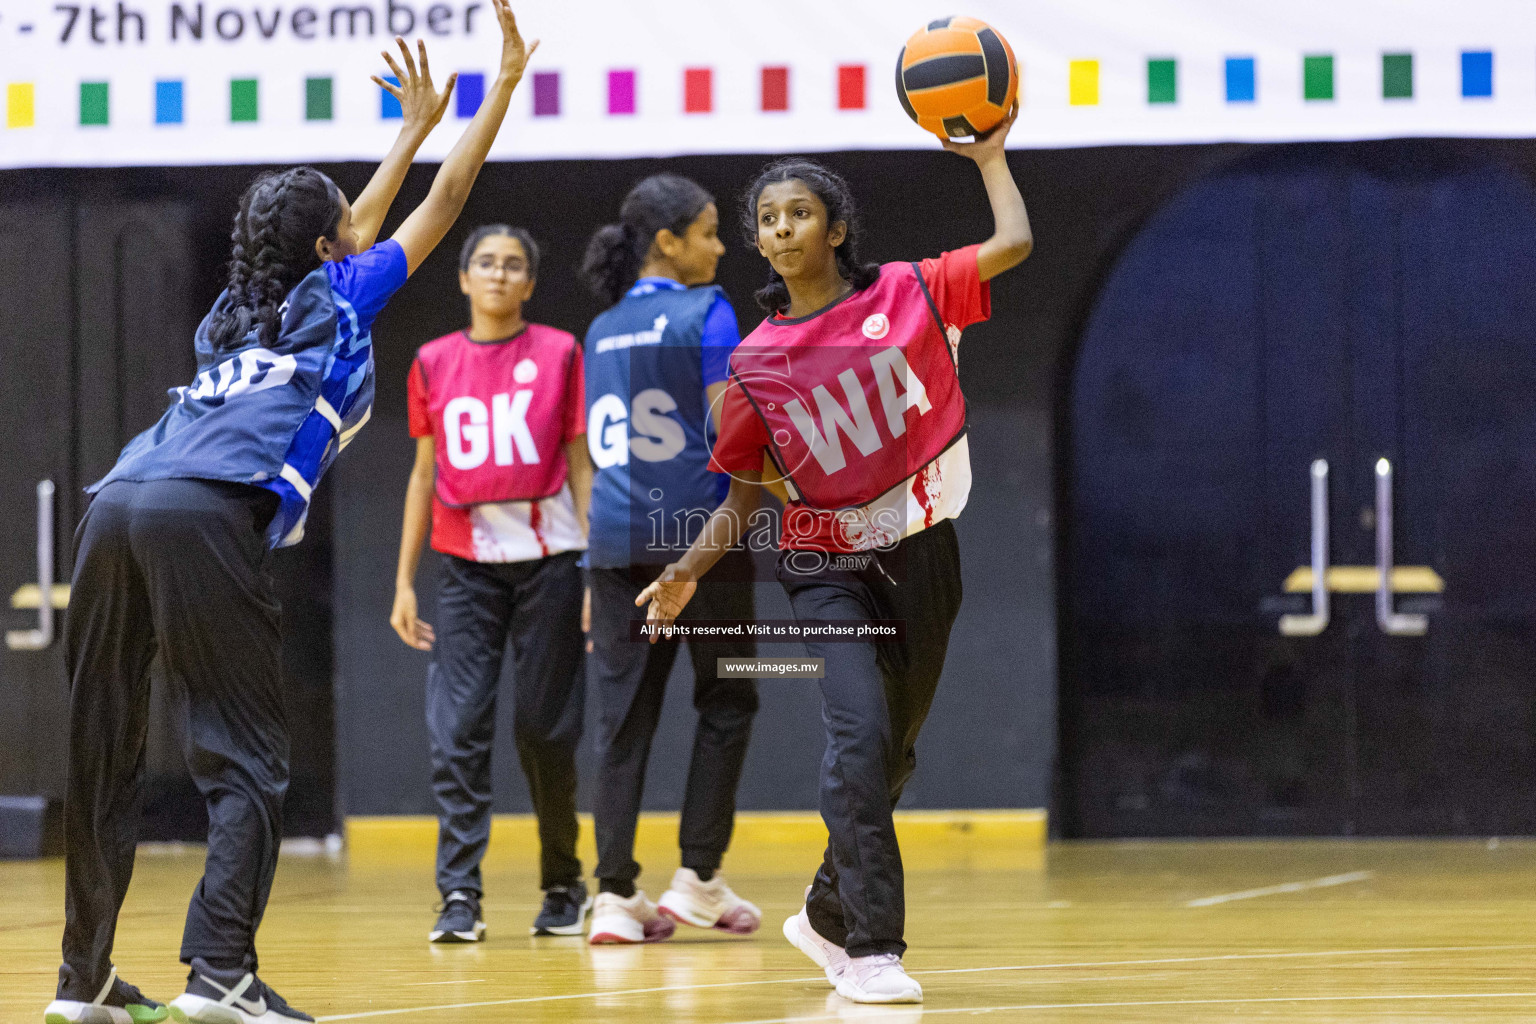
(619, 920)
(709, 904)
(878, 979)
(827, 955)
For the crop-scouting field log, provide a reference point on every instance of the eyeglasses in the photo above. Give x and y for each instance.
(488, 265)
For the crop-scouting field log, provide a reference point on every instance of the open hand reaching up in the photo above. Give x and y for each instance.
(421, 104)
(514, 51)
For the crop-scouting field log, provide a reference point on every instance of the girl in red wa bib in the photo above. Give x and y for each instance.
(851, 388)
(502, 470)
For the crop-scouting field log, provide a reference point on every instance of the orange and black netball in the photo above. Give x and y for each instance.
(957, 77)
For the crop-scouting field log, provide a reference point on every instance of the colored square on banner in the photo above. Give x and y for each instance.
(95, 103)
(168, 102)
(389, 107)
(1317, 77)
(1083, 83)
(850, 87)
(546, 94)
(1240, 80)
(698, 91)
(20, 105)
(775, 89)
(621, 92)
(242, 99)
(1162, 80)
(1477, 73)
(318, 99)
(1397, 76)
(470, 93)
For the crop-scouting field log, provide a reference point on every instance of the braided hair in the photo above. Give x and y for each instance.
(617, 252)
(280, 216)
(837, 197)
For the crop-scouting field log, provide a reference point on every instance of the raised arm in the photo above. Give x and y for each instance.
(421, 107)
(430, 221)
(1011, 241)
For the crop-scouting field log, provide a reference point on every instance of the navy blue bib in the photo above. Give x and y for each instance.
(648, 427)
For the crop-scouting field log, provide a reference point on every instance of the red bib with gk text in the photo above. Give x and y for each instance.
(498, 414)
(859, 397)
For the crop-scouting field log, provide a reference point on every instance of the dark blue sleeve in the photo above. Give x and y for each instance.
(721, 337)
(368, 280)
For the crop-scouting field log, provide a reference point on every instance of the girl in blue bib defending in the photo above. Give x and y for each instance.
(170, 558)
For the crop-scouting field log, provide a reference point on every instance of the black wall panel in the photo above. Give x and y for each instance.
(36, 432)
(1347, 304)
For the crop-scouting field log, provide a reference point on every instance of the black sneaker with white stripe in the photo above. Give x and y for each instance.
(459, 919)
(564, 911)
(116, 1003)
(216, 996)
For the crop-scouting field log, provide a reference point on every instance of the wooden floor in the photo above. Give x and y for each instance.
(1102, 932)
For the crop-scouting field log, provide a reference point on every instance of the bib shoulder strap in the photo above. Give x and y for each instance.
(933, 308)
(428, 355)
(552, 335)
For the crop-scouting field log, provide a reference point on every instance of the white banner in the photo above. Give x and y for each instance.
(150, 82)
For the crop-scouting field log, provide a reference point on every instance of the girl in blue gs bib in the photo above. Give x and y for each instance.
(170, 558)
(656, 363)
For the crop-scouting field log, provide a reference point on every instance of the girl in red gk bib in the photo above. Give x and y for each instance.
(850, 387)
(503, 479)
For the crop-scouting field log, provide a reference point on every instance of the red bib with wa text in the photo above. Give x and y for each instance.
(859, 397)
(498, 414)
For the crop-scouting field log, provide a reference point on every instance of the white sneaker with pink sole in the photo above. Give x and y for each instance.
(709, 904)
(620, 921)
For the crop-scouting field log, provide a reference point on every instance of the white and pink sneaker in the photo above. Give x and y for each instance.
(878, 979)
(709, 904)
(616, 920)
(827, 955)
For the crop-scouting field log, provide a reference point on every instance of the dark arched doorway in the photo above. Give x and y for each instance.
(1348, 304)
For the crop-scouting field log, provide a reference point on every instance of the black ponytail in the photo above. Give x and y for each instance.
(616, 253)
(280, 216)
(837, 197)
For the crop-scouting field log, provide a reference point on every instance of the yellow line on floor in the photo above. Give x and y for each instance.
(982, 839)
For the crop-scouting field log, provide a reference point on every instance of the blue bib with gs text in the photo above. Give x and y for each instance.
(648, 426)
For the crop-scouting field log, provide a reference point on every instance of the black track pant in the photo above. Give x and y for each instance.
(537, 604)
(628, 679)
(874, 699)
(175, 568)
